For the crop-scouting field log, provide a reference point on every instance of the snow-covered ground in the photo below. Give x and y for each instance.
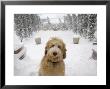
(78, 61)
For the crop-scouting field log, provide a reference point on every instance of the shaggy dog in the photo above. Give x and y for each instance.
(52, 63)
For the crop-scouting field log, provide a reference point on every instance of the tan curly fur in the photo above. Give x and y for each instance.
(52, 63)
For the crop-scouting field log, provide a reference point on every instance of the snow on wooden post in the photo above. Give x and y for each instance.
(95, 39)
(94, 43)
(94, 54)
(38, 40)
(76, 39)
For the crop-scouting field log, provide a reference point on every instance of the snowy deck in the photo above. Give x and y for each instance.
(77, 62)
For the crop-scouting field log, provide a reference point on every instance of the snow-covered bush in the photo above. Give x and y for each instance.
(26, 24)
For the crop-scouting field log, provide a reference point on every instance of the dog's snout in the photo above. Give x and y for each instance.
(54, 53)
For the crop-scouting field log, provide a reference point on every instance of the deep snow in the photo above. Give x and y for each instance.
(78, 61)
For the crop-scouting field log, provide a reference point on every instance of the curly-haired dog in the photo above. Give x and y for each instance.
(52, 63)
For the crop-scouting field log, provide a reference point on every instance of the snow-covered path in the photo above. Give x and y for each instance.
(77, 62)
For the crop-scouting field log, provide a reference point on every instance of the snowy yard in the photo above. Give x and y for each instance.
(78, 61)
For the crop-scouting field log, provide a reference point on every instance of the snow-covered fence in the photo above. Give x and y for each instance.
(38, 40)
(76, 39)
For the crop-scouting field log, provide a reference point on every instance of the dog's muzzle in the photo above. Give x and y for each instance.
(55, 54)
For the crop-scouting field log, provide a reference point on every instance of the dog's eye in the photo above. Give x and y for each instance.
(59, 46)
(52, 46)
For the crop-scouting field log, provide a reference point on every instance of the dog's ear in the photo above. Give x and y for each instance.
(45, 50)
(64, 52)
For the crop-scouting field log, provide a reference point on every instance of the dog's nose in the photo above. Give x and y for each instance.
(54, 53)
